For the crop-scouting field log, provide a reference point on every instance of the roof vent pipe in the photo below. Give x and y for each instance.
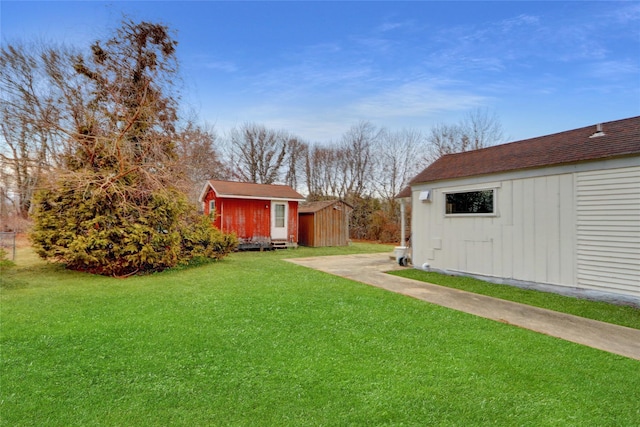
(598, 132)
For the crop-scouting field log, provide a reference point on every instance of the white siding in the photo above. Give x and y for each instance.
(608, 230)
(525, 240)
(540, 230)
(575, 226)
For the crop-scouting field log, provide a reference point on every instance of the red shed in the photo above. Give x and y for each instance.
(261, 215)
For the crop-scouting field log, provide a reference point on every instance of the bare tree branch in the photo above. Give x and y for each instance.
(257, 154)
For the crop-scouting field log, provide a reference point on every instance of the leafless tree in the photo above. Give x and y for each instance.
(356, 152)
(482, 128)
(343, 169)
(295, 162)
(445, 139)
(7, 205)
(398, 159)
(62, 110)
(478, 129)
(29, 113)
(103, 119)
(130, 127)
(73, 98)
(112, 110)
(257, 154)
(321, 172)
(198, 157)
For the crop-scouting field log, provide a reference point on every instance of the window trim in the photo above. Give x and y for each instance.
(494, 191)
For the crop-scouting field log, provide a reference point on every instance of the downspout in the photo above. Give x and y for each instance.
(402, 223)
(401, 251)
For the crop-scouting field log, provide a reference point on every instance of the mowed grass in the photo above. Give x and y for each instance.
(623, 315)
(256, 341)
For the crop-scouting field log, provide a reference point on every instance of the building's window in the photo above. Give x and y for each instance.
(212, 206)
(470, 202)
(280, 215)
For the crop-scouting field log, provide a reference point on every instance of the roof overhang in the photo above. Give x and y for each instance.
(236, 196)
(208, 186)
(405, 193)
(313, 207)
(205, 190)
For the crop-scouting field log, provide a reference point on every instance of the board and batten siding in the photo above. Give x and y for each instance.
(608, 230)
(530, 238)
(573, 227)
(331, 228)
(328, 226)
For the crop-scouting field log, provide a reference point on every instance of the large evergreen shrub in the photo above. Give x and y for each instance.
(104, 232)
(113, 206)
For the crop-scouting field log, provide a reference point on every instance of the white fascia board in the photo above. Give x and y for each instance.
(235, 196)
(205, 190)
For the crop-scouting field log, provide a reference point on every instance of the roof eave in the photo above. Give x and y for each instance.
(599, 159)
(205, 190)
(405, 193)
(237, 196)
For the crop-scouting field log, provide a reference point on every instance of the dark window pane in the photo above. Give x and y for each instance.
(471, 202)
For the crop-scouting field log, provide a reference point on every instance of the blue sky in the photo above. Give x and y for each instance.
(316, 68)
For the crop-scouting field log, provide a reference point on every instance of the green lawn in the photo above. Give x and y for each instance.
(256, 341)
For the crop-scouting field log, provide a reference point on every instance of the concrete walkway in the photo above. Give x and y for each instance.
(371, 268)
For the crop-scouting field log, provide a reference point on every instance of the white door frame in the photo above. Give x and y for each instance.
(279, 225)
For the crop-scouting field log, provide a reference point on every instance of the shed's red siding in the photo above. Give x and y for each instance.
(249, 218)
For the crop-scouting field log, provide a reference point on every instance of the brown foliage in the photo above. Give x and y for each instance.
(113, 206)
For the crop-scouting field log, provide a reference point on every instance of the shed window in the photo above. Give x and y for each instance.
(470, 202)
(280, 213)
(212, 206)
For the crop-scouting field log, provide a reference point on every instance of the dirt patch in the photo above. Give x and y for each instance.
(22, 240)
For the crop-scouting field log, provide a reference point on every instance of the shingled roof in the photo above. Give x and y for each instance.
(616, 139)
(312, 207)
(249, 190)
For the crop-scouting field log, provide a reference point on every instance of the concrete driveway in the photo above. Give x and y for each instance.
(371, 268)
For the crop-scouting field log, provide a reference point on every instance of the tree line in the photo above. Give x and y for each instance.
(117, 110)
(367, 167)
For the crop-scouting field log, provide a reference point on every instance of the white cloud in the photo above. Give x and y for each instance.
(319, 91)
(415, 99)
(210, 62)
(303, 79)
(614, 69)
(226, 66)
(391, 26)
(510, 24)
(628, 12)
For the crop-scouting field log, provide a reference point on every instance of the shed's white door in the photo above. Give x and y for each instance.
(279, 220)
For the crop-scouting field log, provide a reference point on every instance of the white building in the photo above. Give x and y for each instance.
(559, 212)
